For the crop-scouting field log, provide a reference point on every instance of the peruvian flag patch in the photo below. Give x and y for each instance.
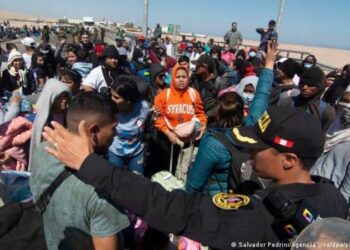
(285, 143)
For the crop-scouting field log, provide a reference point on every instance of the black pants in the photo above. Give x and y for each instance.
(157, 155)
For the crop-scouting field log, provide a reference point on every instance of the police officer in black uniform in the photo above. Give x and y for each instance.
(284, 144)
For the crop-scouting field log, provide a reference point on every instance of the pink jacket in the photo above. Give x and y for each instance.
(228, 57)
(13, 135)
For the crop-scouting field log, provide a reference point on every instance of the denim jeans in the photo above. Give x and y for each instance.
(133, 163)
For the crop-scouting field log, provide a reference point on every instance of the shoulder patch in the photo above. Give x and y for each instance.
(230, 201)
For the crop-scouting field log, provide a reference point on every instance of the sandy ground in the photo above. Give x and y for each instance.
(329, 56)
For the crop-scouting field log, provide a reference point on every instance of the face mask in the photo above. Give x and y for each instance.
(140, 60)
(252, 54)
(247, 98)
(344, 110)
(163, 63)
(214, 56)
(307, 65)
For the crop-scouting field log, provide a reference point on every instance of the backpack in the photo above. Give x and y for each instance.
(21, 227)
(322, 106)
(241, 179)
(22, 224)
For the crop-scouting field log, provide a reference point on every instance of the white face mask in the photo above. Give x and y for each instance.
(252, 54)
(307, 65)
(140, 60)
(247, 98)
(163, 63)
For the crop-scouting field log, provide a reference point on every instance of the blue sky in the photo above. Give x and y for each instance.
(309, 22)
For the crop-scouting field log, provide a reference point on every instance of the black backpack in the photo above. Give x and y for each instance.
(241, 179)
(21, 227)
(21, 223)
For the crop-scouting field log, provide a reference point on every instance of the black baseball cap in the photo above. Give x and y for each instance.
(288, 130)
(206, 61)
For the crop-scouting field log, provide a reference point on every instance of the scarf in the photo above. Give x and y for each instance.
(21, 77)
(339, 131)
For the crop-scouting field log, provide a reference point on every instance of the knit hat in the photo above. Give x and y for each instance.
(290, 67)
(314, 76)
(14, 54)
(110, 51)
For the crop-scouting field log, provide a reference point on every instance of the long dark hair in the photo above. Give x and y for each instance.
(126, 87)
(34, 59)
(230, 111)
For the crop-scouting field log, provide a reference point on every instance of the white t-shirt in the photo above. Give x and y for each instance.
(95, 79)
(169, 49)
(27, 60)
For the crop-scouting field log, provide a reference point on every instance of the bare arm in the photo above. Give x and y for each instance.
(105, 243)
(260, 30)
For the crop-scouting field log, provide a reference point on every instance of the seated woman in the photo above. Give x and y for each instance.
(334, 163)
(51, 106)
(209, 172)
(178, 106)
(16, 77)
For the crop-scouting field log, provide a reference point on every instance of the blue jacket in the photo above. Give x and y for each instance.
(209, 173)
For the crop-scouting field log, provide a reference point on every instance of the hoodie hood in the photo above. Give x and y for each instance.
(154, 70)
(173, 76)
(246, 81)
(52, 89)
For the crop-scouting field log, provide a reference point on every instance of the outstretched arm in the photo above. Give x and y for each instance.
(263, 90)
(192, 215)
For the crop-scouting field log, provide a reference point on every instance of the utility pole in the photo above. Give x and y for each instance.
(145, 17)
(280, 12)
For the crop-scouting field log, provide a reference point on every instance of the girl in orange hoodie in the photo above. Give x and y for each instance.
(178, 105)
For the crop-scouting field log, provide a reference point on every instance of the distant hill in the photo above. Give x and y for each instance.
(4, 14)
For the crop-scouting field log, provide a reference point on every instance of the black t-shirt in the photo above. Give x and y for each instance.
(207, 91)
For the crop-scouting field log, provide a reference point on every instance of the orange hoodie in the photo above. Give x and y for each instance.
(177, 106)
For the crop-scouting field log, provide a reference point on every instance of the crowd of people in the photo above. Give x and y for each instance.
(93, 123)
